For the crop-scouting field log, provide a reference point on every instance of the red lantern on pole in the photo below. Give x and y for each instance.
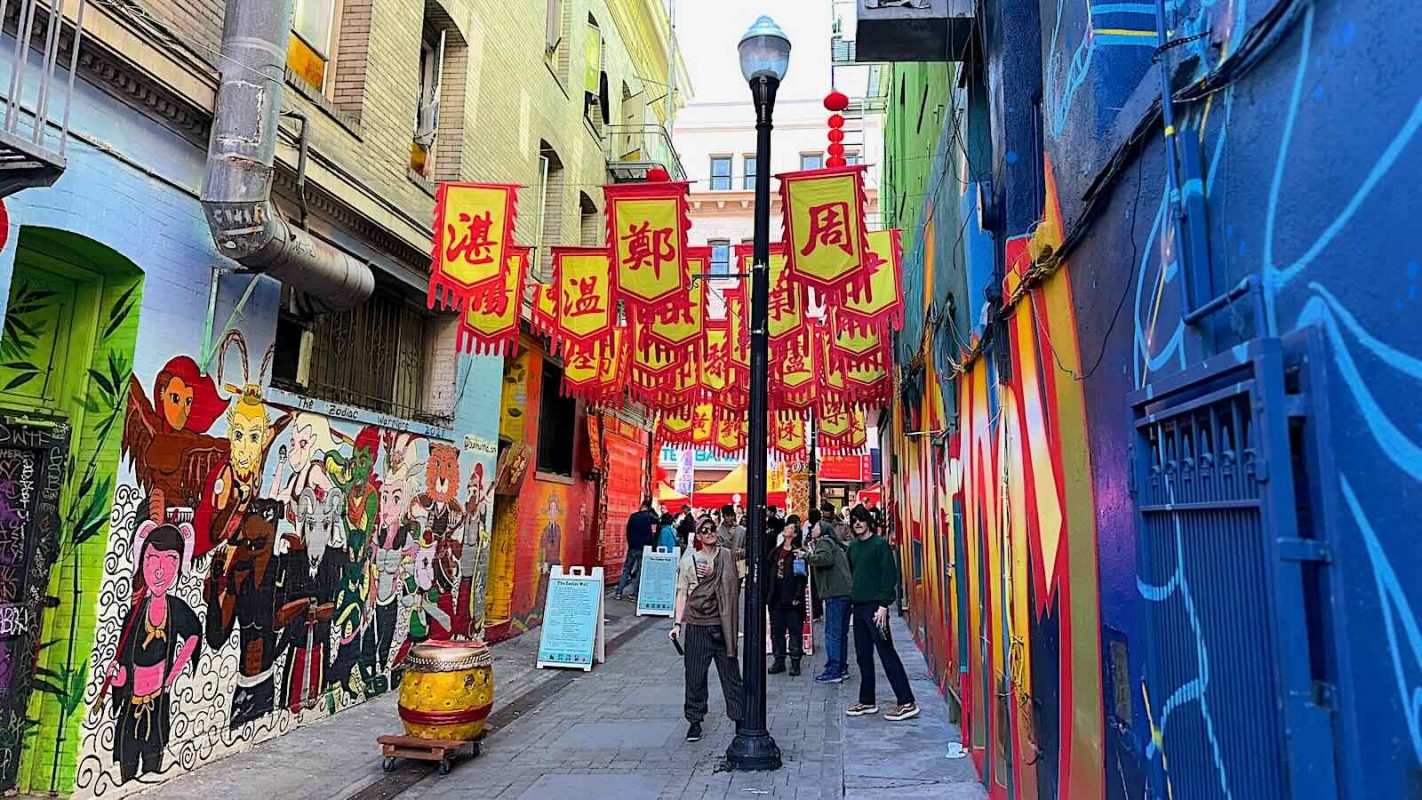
(836, 121)
(835, 149)
(836, 100)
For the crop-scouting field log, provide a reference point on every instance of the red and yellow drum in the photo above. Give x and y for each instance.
(447, 690)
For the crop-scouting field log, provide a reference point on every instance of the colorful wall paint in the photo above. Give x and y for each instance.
(1092, 655)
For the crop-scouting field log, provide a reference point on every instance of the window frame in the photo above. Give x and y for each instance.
(435, 51)
(717, 244)
(713, 178)
(749, 161)
(327, 51)
(818, 156)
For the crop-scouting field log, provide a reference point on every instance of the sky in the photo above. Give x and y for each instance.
(708, 31)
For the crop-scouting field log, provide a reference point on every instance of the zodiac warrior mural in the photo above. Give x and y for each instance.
(265, 564)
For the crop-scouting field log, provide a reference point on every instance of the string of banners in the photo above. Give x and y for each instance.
(642, 319)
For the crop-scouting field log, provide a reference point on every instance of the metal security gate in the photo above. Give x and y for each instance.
(1233, 704)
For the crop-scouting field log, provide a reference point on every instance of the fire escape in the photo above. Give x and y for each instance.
(35, 128)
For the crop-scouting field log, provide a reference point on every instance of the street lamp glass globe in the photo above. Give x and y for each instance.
(764, 50)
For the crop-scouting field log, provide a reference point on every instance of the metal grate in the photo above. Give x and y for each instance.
(374, 356)
(1227, 651)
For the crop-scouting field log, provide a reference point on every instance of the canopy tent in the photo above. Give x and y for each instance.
(667, 496)
(732, 488)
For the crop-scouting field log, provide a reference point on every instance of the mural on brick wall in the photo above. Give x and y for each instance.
(266, 564)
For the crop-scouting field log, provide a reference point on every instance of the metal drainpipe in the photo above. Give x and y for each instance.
(236, 189)
(1185, 185)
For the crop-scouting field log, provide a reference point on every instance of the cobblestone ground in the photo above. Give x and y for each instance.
(616, 733)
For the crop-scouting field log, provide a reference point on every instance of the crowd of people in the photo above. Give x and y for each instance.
(845, 558)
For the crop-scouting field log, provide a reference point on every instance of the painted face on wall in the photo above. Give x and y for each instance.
(361, 462)
(303, 442)
(160, 569)
(246, 433)
(442, 472)
(394, 502)
(318, 513)
(177, 402)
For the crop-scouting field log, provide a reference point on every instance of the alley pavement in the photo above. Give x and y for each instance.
(616, 732)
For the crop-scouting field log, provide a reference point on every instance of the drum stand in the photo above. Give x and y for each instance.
(415, 748)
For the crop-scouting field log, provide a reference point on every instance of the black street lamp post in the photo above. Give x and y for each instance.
(764, 56)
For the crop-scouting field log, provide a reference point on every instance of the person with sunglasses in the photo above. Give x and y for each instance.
(874, 589)
(708, 589)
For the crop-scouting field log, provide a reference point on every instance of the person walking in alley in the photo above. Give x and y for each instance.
(875, 578)
(732, 534)
(829, 561)
(785, 598)
(685, 527)
(641, 532)
(705, 624)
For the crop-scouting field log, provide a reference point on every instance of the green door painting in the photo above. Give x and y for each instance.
(65, 355)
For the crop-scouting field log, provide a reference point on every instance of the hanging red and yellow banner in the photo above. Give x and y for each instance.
(647, 225)
(786, 314)
(703, 423)
(654, 369)
(738, 326)
(676, 323)
(613, 359)
(674, 427)
(794, 382)
(715, 360)
(787, 435)
(825, 235)
(729, 434)
(473, 240)
(543, 310)
(586, 311)
(841, 428)
(880, 302)
(489, 323)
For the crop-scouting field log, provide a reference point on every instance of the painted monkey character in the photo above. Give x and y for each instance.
(167, 440)
(160, 637)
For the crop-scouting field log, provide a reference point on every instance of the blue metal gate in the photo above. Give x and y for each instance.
(1232, 700)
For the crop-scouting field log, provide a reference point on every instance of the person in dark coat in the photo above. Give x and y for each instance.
(786, 600)
(641, 532)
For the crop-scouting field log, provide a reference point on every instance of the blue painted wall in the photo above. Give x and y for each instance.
(1309, 168)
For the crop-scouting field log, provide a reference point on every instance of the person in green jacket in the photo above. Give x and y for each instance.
(829, 569)
(875, 586)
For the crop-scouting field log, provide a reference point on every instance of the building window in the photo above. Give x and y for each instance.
(720, 173)
(422, 151)
(312, 25)
(553, 30)
(812, 160)
(376, 356)
(749, 159)
(591, 226)
(550, 216)
(594, 78)
(853, 157)
(720, 256)
(557, 416)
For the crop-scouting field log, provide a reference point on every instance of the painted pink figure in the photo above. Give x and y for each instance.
(160, 638)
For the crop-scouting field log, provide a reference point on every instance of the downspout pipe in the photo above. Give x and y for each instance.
(236, 188)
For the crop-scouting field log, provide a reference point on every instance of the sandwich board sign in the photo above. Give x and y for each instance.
(656, 589)
(572, 635)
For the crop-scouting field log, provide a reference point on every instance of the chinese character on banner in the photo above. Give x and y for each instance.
(543, 313)
(612, 366)
(825, 235)
(842, 430)
(489, 323)
(729, 436)
(703, 424)
(880, 302)
(787, 434)
(586, 311)
(786, 313)
(473, 240)
(580, 370)
(715, 357)
(647, 225)
(794, 384)
(738, 325)
(676, 322)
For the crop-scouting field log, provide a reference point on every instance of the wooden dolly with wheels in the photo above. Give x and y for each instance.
(416, 749)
